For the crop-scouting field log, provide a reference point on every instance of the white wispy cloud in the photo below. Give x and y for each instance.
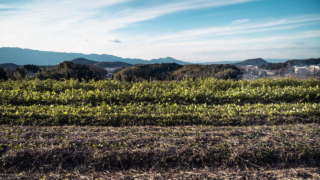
(91, 27)
(240, 21)
(289, 23)
(231, 49)
(114, 40)
(60, 22)
(68, 13)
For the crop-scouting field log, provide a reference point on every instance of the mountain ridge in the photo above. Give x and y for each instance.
(20, 56)
(9, 65)
(16, 57)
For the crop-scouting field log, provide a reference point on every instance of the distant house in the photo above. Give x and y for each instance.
(314, 67)
(248, 67)
(251, 67)
(111, 69)
(303, 71)
(263, 74)
(109, 75)
(31, 74)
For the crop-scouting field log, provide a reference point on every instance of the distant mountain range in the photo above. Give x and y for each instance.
(16, 57)
(9, 65)
(28, 56)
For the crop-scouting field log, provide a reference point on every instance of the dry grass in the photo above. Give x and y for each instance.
(199, 174)
(85, 150)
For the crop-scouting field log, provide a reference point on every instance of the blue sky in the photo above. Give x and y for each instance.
(189, 30)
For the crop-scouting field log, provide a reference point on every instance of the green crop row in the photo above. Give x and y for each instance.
(212, 84)
(158, 114)
(179, 95)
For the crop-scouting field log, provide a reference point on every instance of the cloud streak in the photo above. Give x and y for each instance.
(234, 49)
(241, 29)
(68, 13)
(114, 40)
(240, 21)
(62, 21)
(92, 27)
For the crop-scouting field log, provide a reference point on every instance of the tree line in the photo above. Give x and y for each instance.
(65, 70)
(173, 71)
(161, 72)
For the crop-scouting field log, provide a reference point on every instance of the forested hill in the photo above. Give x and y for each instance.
(84, 61)
(65, 70)
(112, 64)
(173, 71)
(254, 62)
(291, 63)
(219, 71)
(307, 62)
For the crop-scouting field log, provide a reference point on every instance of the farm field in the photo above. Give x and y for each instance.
(203, 129)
